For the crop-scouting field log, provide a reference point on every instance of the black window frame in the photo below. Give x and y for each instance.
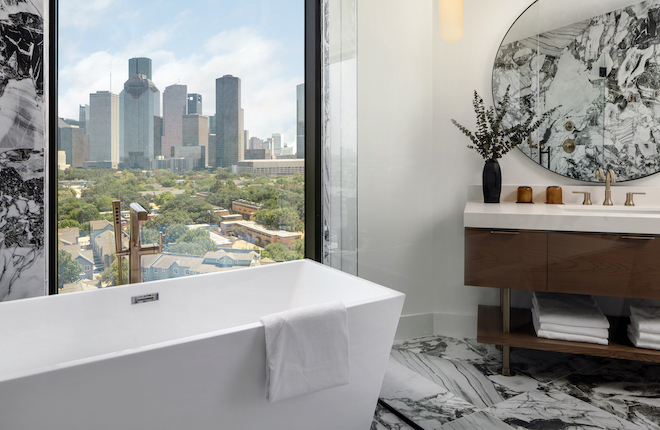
(313, 211)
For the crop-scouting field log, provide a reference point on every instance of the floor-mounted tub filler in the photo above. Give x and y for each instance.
(186, 353)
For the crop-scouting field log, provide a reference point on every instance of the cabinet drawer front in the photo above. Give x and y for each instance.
(604, 264)
(506, 259)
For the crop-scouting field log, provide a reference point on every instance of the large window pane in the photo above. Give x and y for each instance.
(195, 111)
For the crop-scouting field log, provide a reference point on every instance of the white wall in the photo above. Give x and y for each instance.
(396, 148)
(413, 164)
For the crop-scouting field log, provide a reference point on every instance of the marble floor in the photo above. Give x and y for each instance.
(446, 383)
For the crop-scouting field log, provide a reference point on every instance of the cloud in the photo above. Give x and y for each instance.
(79, 80)
(268, 93)
(86, 14)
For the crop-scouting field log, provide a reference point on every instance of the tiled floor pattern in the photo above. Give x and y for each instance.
(446, 383)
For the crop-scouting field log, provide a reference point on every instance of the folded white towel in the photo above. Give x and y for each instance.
(644, 336)
(570, 329)
(641, 343)
(568, 336)
(647, 318)
(569, 309)
(307, 350)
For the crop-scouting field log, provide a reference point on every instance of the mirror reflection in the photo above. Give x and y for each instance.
(599, 62)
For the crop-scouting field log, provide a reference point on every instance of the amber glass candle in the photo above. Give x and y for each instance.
(524, 194)
(553, 195)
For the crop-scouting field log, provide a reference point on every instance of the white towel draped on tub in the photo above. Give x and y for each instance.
(307, 350)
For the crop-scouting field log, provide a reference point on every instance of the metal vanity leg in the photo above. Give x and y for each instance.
(505, 306)
(506, 357)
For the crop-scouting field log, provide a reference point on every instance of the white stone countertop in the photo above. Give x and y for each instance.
(643, 218)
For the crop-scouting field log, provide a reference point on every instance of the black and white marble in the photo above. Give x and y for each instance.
(477, 421)
(532, 368)
(628, 390)
(22, 83)
(457, 376)
(422, 401)
(603, 74)
(386, 420)
(545, 409)
(22, 215)
(549, 389)
(22, 150)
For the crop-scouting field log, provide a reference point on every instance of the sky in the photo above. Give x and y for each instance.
(191, 42)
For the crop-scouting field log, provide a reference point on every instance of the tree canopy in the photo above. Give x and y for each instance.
(68, 270)
(281, 200)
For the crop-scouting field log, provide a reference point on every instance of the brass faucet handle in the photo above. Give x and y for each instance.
(629, 198)
(587, 197)
(611, 175)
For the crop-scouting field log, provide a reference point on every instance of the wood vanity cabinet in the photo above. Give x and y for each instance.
(604, 264)
(506, 259)
(620, 265)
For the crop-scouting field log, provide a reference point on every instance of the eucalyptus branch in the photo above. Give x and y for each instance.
(491, 139)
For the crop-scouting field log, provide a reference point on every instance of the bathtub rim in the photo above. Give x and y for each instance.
(386, 294)
(301, 262)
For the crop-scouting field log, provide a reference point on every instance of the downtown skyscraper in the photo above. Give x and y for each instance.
(229, 146)
(277, 144)
(103, 129)
(139, 66)
(140, 104)
(175, 106)
(194, 104)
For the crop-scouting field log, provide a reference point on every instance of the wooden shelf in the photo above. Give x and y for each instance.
(523, 336)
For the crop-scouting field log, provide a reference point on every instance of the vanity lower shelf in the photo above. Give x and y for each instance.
(522, 335)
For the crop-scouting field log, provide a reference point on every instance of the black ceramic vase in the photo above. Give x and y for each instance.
(492, 181)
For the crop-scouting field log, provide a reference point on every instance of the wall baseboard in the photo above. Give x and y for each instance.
(412, 326)
(458, 326)
(420, 325)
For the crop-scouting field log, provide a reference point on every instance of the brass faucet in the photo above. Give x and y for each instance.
(135, 249)
(609, 179)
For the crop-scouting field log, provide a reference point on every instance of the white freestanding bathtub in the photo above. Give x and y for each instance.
(194, 359)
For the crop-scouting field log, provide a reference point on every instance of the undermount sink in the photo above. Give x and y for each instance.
(612, 209)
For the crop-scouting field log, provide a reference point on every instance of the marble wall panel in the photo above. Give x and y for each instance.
(22, 150)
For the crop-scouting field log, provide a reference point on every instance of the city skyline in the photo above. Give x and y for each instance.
(144, 135)
(160, 100)
(261, 41)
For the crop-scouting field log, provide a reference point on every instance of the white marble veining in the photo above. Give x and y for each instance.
(477, 421)
(22, 87)
(424, 402)
(22, 211)
(554, 409)
(459, 377)
(643, 218)
(386, 420)
(625, 389)
(550, 390)
(22, 160)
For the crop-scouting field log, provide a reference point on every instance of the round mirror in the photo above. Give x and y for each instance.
(598, 61)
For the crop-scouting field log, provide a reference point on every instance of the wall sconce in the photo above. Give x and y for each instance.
(451, 20)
